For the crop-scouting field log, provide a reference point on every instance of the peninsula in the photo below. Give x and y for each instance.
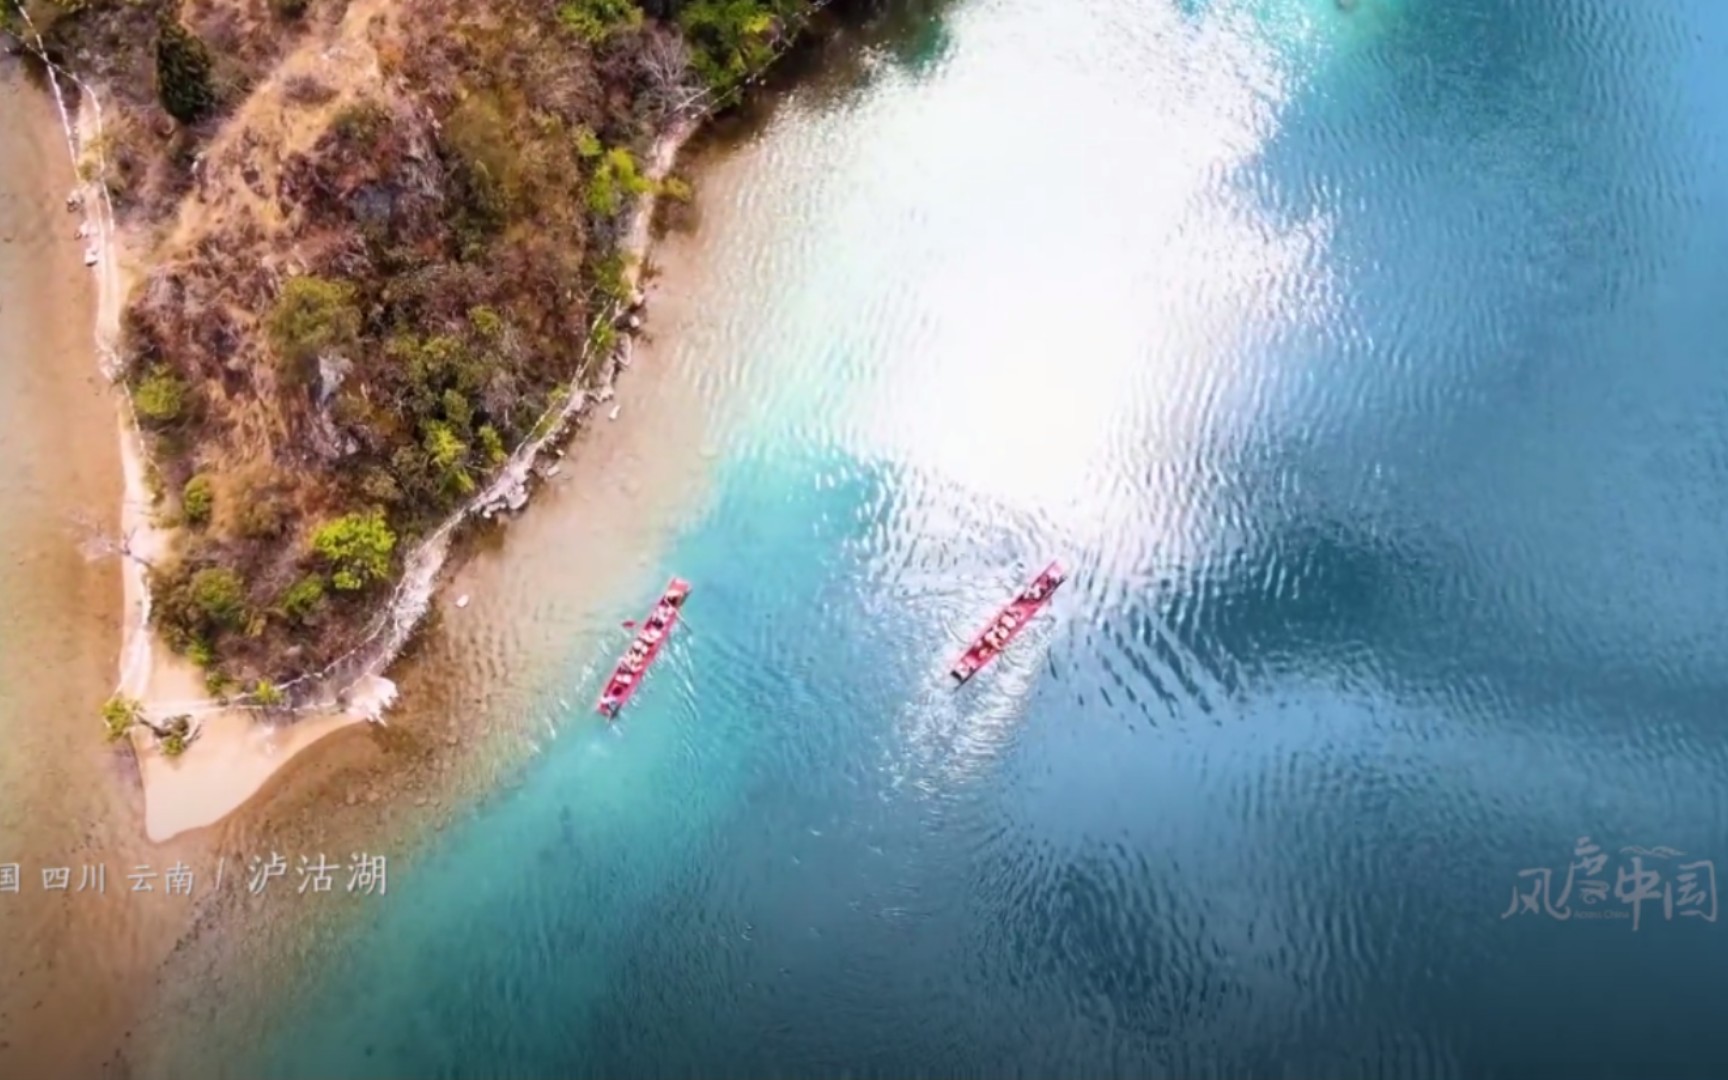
(361, 261)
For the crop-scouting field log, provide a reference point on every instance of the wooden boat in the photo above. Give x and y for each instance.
(1008, 623)
(633, 666)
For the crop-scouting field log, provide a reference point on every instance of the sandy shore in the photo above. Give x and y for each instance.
(83, 969)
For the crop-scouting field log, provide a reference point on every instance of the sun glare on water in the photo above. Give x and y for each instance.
(1080, 325)
(1070, 341)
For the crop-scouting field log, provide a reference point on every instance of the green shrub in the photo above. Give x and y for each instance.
(609, 276)
(301, 600)
(197, 500)
(615, 179)
(486, 322)
(160, 397)
(219, 597)
(675, 189)
(588, 144)
(449, 456)
(492, 445)
(119, 714)
(175, 735)
(198, 651)
(268, 694)
(183, 73)
(443, 447)
(457, 412)
(603, 339)
(358, 548)
(596, 20)
(312, 315)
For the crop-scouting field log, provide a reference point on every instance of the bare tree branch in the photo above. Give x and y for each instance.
(665, 61)
(97, 541)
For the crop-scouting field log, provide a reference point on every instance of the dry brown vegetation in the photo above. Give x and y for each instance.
(378, 230)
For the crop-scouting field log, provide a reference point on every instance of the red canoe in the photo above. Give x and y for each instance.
(1009, 622)
(627, 676)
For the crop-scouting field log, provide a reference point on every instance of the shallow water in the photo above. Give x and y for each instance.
(1368, 368)
(71, 959)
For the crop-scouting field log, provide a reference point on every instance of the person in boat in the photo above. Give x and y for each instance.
(1035, 591)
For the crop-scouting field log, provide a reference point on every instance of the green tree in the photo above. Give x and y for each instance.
(731, 39)
(183, 73)
(596, 20)
(119, 714)
(358, 548)
(449, 455)
(268, 694)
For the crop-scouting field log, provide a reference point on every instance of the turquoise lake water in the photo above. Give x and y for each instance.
(1370, 370)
